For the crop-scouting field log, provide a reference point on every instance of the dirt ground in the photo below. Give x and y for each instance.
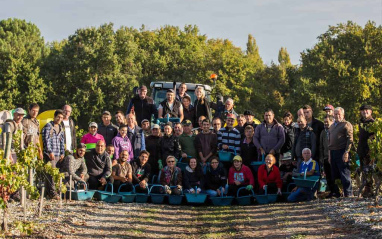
(101, 220)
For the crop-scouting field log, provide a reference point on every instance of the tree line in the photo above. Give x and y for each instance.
(96, 68)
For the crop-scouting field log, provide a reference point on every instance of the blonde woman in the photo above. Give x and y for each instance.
(202, 105)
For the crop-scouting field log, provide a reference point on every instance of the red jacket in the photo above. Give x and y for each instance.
(273, 177)
(244, 176)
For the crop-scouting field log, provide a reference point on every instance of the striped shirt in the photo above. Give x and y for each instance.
(231, 138)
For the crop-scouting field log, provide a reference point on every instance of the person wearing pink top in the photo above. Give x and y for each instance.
(92, 137)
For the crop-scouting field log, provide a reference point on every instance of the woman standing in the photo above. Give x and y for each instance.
(201, 105)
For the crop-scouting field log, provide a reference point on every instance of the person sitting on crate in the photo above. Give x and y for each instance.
(239, 176)
(312, 169)
(168, 145)
(216, 178)
(141, 171)
(229, 137)
(286, 170)
(171, 177)
(193, 177)
(269, 176)
(99, 166)
(75, 165)
(122, 172)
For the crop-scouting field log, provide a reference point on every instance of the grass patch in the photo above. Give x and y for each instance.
(136, 231)
(298, 236)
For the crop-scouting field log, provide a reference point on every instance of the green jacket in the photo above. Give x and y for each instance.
(187, 144)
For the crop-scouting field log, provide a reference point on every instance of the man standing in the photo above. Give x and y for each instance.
(229, 136)
(69, 129)
(54, 148)
(329, 109)
(187, 140)
(340, 142)
(107, 129)
(363, 146)
(178, 129)
(10, 129)
(216, 124)
(120, 118)
(206, 143)
(228, 109)
(182, 92)
(145, 124)
(188, 109)
(135, 135)
(249, 116)
(324, 154)
(31, 128)
(241, 121)
(269, 136)
(304, 138)
(142, 106)
(98, 164)
(315, 124)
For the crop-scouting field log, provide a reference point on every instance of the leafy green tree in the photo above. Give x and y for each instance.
(344, 67)
(22, 50)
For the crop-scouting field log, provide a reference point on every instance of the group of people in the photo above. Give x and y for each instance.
(134, 149)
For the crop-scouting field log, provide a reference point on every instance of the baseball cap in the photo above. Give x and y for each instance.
(248, 112)
(145, 120)
(366, 107)
(155, 126)
(186, 122)
(93, 124)
(328, 107)
(19, 111)
(237, 158)
(287, 156)
(106, 113)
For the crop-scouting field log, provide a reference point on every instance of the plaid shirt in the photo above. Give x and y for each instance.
(54, 142)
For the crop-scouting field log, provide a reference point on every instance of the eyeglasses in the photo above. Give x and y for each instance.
(170, 161)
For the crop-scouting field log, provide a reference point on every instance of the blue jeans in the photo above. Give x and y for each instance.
(341, 170)
(301, 194)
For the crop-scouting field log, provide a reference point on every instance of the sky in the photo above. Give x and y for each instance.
(294, 24)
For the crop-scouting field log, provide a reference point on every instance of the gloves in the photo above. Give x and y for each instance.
(249, 187)
(192, 190)
(160, 165)
(198, 190)
(167, 189)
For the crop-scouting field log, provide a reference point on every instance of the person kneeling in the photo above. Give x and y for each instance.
(239, 176)
(141, 171)
(75, 166)
(122, 173)
(216, 178)
(171, 177)
(311, 167)
(269, 176)
(193, 177)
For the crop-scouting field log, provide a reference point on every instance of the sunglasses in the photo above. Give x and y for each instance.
(170, 161)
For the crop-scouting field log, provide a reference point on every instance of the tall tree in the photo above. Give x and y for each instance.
(22, 50)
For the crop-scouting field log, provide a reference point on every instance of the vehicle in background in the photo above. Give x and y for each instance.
(159, 89)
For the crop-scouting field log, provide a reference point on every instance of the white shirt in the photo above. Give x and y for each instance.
(68, 135)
